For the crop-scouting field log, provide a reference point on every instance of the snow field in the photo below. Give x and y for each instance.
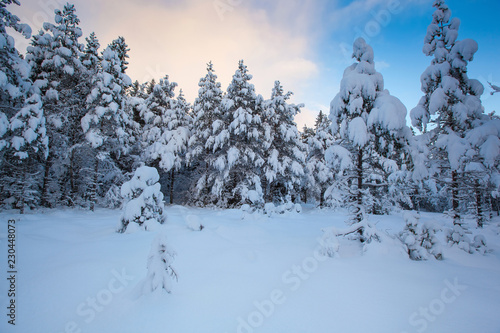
(258, 274)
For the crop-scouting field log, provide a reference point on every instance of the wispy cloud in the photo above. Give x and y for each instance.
(381, 65)
(179, 38)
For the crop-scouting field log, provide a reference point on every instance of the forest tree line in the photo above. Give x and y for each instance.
(74, 127)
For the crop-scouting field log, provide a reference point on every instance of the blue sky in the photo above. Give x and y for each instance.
(303, 43)
(398, 45)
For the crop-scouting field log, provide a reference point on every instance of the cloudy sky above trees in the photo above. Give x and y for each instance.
(306, 44)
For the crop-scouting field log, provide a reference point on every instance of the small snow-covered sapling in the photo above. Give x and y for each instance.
(160, 271)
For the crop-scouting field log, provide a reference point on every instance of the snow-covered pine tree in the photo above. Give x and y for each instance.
(319, 176)
(79, 161)
(482, 172)
(14, 71)
(137, 90)
(159, 100)
(14, 86)
(90, 57)
(160, 271)
(27, 149)
(106, 122)
(307, 132)
(129, 159)
(136, 104)
(166, 132)
(56, 70)
(121, 48)
(397, 163)
(420, 238)
(145, 207)
(371, 127)
(149, 86)
(240, 156)
(305, 135)
(179, 138)
(284, 153)
(451, 103)
(184, 109)
(208, 123)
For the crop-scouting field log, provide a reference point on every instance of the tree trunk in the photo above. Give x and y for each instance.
(322, 197)
(44, 200)
(265, 188)
(93, 189)
(23, 192)
(21, 206)
(479, 208)
(72, 180)
(455, 199)
(359, 198)
(172, 179)
(497, 206)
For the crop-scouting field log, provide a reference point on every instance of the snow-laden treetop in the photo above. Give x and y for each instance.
(449, 93)
(362, 101)
(363, 113)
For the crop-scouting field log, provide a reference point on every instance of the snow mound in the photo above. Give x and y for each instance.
(193, 222)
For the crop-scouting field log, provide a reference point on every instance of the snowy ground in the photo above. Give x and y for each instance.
(259, 274)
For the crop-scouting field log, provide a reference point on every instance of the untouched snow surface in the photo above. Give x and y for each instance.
(258, 274)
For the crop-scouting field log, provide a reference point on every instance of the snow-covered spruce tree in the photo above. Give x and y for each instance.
(482, 173)
(14, 71)
(105, 123)
(27, 149)
(284, 153)
(307, 132)
(127, 161)
(160, 99)
(160, 271)
(79, 156)
(137, 90)
(239, 158)
(121, 48)
(145, 207)
(149, 86)
(14, 83)
(372, 132)
(208, 123)
(167, 130)
(450, 106)
(460, 236)
(135, 109)
(180, 180)
(90, 57)
(137, 98)
(420, 238)
(54, 56)
(136, 105)
(319, 176)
